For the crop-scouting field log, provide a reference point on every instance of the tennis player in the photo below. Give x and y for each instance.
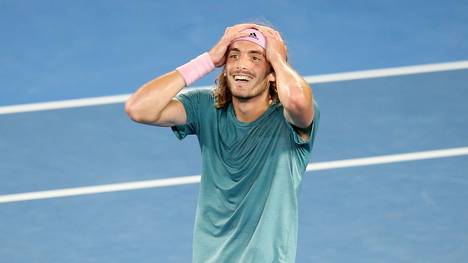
(255, 129)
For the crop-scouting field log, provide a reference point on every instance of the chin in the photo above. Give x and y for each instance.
(240, 95)
(244, 96)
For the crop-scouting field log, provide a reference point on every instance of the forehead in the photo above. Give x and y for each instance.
(246, 46)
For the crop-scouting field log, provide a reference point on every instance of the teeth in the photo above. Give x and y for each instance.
(241, 77)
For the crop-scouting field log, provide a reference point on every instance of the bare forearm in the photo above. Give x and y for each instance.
(147, 103)
(294, 93)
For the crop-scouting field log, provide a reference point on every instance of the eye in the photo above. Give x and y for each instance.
(233, 56)
(255, 58)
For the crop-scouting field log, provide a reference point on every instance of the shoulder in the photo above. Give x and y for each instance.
(202, 93)
(196, 96)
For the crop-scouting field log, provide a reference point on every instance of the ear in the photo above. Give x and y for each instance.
(271, 76)
(224, 71)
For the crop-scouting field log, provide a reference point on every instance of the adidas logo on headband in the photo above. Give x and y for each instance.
(253, 35)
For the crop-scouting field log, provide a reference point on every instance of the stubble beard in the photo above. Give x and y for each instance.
(257, 91)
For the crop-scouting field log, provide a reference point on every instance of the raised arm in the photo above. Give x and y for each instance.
(154, 102)
(293, 91)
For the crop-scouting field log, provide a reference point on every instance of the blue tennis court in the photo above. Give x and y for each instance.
(393, 208)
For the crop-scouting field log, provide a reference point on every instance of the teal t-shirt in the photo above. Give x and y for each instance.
(247, 207)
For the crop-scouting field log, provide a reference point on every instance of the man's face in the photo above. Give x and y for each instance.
(246, 70)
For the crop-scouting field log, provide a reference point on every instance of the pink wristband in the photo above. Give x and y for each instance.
(196, 68)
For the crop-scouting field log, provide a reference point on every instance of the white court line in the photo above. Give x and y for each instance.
(196, 178)
(388, 72)
(63, 104)
(365, 74)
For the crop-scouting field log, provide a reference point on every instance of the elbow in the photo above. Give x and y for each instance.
(141, 113)
(134, 113)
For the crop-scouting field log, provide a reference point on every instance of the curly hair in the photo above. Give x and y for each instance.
(223, 95)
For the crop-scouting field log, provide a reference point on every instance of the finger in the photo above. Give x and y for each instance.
(231, 32)
(237, 35)
(265, 30)
(270, 36)
(278, 35)
(227, 39)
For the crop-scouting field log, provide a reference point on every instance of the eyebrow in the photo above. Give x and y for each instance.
(250, 51)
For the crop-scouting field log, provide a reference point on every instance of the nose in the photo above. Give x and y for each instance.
(242, 62)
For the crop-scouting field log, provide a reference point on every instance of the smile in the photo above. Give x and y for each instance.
(243, 78)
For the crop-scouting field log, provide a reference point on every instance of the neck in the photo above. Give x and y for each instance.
(251, 109)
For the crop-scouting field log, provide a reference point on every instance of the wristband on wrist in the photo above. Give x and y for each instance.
(196, 68)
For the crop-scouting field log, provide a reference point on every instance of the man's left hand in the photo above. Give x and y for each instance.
(275, 47)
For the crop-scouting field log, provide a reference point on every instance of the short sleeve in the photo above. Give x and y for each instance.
(191, 102)
(311, 130)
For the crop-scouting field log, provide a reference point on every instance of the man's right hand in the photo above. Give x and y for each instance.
(218, 52)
